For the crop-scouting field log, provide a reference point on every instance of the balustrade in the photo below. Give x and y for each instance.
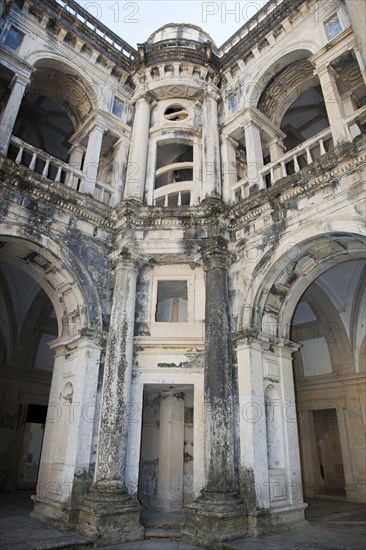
(293, 161)
(54, 169)
(175, 194)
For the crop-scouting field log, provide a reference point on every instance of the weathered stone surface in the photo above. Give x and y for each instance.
(182, 222)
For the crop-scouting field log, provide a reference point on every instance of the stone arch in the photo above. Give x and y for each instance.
(63, 83)
(269, 72)
(59, 273)
(297, 265)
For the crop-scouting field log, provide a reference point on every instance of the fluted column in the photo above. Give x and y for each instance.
(91, 161)
(136, 167)
(219, 437)
(211, 173)
(10, 113)
(112, 443)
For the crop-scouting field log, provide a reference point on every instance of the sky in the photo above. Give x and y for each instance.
(136, 20)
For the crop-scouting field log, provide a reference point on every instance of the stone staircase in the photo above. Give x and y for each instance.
(162, 525)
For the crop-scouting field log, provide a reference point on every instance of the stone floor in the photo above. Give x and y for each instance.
(333, 525)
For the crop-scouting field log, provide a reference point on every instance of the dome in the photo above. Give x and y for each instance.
(173, 31)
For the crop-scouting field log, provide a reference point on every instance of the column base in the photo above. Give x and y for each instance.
(58, 515)
(263, 523)
(110, 517)
(356, 493)
(214, 518)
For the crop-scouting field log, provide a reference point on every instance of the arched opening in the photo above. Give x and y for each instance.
(329, 376)
(28, 324)
(45, 362)
(306, 117)
(174, 174)
(54, 107)
(312, 299)
(44, 123)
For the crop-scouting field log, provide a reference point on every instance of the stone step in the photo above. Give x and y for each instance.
(161, 524)
(162, 534)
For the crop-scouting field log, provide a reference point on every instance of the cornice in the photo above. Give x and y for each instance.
(344, 159)
(205, 219)
(82, 206)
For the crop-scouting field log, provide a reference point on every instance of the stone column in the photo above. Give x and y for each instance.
(76, 159)
(217, 515)
(333, 104)
(91, 161)
(119, 170)
(219, 439)
(229, 176)
(108, 512)
(171, 451)
(357, 13)
(10, 112)
(253, 145)
(211, 169)
(136, 167)
(361, 63)
(276, 150)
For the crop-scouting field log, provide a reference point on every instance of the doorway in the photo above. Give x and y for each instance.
(166, 457)
(331, 471)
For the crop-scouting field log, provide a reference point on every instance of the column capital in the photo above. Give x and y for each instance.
(142, 96)
(226, 138)
(128, 255)
(324, 68)
(214, 253)
(20, 79)
(211, 93)
(98, 125)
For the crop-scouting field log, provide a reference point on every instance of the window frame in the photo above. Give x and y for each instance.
(190, 299)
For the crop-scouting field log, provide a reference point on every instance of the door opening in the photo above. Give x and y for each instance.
(331, 472)
(166, 458)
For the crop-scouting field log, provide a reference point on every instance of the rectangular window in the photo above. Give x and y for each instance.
(117, 108)
(333, 27)
(172, 301)
(14, 38)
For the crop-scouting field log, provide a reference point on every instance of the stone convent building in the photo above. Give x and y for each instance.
(182, 265)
